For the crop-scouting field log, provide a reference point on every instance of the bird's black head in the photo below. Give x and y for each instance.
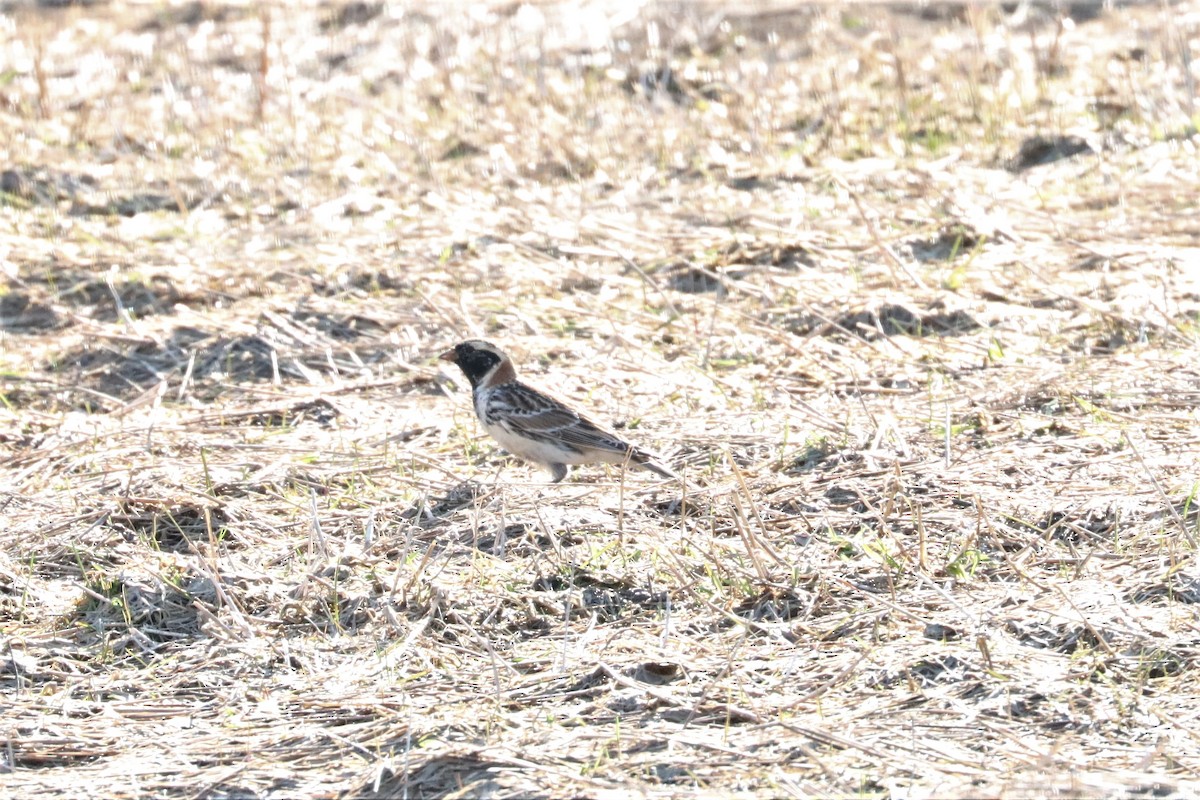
(477, 359)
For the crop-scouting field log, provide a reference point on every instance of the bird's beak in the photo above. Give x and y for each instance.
(450, 355)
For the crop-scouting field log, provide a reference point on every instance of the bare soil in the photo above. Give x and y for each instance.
(910, 295)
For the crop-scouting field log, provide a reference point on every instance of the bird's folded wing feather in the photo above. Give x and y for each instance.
(548, 419)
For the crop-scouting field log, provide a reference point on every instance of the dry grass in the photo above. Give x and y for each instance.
(911, 295)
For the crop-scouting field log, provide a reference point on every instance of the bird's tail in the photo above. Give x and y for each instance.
(650, 462)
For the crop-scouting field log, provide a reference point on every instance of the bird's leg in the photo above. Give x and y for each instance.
(558, 472)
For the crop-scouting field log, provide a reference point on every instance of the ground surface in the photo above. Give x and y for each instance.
(910, 295)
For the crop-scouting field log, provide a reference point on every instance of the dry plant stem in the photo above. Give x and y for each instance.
(922, 539)
(39, 72)
(1170, 506)
(1097, 635)
(882, 246)
(214, 575)
(946, 434)
(317, 540)
(647, 280)
(264, 65)
(621, 503)
(748, 540)
(453, 323)
(754, 542)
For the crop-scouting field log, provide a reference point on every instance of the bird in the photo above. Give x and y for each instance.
(533, 425)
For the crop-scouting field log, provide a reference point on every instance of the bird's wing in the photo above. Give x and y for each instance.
(528, 412)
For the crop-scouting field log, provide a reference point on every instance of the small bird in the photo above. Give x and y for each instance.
(535, 426)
